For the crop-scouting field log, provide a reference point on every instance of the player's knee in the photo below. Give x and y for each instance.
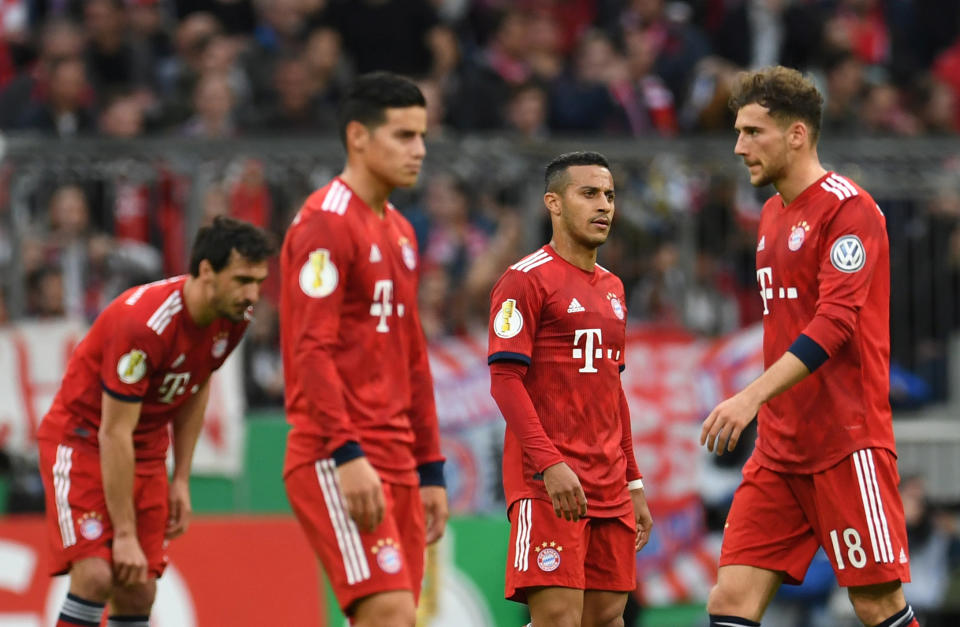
(876, 603)
(391, 609)
(604, 616)
(137, 599)
(724, 600)
(557, 615)
(91, 579)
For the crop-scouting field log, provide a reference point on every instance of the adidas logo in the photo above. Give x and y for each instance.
(575, 306)
(763, 242)
(375, 255)
(903, 556)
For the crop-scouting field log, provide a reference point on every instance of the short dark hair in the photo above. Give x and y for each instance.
(368, 99)
(785, 92)
(554, 178)
(216, 241)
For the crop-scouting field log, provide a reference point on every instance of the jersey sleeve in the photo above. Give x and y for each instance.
(515, 305)
(854, 242)
(318, 268)
(626, 441)
(131, 352)
(507, 389)
(423, 418)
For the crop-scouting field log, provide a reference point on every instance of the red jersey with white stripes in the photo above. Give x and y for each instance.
(144, 347)
(569, 327)
(823, 265)
(354, 354)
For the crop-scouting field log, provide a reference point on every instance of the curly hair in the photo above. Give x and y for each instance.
(785, 92)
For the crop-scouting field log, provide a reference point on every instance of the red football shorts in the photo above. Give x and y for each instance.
(78, 525)
(357, 563)
(590, 554)
(853, 510)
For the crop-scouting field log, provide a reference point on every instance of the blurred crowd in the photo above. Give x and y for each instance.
(530, 68)
(524, 70)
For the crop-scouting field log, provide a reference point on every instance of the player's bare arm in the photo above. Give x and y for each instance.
(565, 492)
(641, 514)
(362, 493)
(723, 427)
(436, 512)
(119, 419)
(187, 425)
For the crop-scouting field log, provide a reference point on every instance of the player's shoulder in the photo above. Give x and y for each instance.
(845, 195)
(149, 308)
(609, 277)
(537, 263)
(329, 204)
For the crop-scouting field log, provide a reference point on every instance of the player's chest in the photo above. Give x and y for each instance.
(186, 366)
(580, 315)
(385, 265)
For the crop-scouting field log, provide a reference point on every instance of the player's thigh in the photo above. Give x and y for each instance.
(407, 511)
(603, 608)
(543, 550)
(767, 526)
(152, 502)
(78, 525)
(555, 606)
(610, 562)
(358, 564)
(861, 524)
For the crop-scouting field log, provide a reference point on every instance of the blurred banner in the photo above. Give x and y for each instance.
(36, 354)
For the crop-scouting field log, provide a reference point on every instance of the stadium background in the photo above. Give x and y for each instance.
(128, 124)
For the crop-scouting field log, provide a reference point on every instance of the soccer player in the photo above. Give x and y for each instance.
(144, 364)
(823, 472)
(363, 468)
(574, 494)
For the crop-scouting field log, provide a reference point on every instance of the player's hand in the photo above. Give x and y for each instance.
(129, 562)
(722, 428)
(180, 509)
(362, 493)
(565, 491)
(435, 511)
(641, 513)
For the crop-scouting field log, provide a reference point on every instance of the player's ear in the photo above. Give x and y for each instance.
(357, 135)
(205, 269)
(552, 201)
(798, 134)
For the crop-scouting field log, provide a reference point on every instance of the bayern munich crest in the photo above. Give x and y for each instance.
(617, 307)
(548, 556)
(797, 235)
(388, 557)
(408, 253)
(219, 346)
(91, 525)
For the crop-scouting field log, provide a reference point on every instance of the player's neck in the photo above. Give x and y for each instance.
(368, 187)
(195, 302)
(574, 253)
(803, 173)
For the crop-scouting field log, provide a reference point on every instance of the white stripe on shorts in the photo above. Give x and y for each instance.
(348, 537)
(61, 491)
(521, 556)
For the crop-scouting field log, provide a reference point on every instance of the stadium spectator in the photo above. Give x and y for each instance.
(527, 112)
(213, 102)
(66, 110)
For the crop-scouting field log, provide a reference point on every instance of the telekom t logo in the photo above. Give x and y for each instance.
(591, 349)
(765, 279)
(382, 306)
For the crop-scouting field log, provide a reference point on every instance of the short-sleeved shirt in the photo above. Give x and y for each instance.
(144, 347)
(569, 326)
(823, 267)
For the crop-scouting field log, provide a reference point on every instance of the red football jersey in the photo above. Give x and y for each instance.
(823, 265)
(354, 354)
(569, 327)
(144, 347)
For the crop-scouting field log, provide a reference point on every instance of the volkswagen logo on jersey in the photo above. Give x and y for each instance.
(508, 321)
(132, 366)
(847, 254)
(409, 255)
(91, 525)
(318, 276)
(548, 558)
(797, 235)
